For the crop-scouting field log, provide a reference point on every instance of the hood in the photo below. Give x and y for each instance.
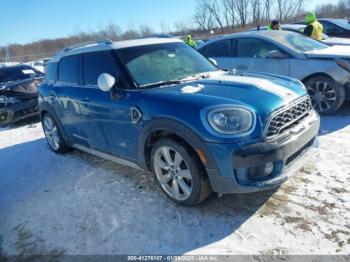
(336, 51)
(262, 93)
(26, 86)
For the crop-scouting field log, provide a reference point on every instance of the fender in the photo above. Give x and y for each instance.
(43, 106)
(178, 129)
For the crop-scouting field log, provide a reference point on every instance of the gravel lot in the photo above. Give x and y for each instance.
(79, 204)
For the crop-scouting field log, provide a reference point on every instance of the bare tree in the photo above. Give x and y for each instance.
(203, 16)
(288, 9)
(242, 7)
(268, 5)
(230, 12)
(165, 27)
(145, 30)
(214, 8)
(181, 27)
(257, 11)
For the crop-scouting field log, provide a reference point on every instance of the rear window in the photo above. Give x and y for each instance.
(8, 74)
(218, 49)
(94, 64)
(51, 72)
(68, 69)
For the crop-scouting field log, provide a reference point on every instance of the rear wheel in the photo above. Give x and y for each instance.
(53, 134)
(326, 95)
(179, 173)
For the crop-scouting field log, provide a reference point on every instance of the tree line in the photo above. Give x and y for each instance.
(209, 17)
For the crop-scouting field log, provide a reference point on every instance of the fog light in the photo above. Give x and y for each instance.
(269, 168)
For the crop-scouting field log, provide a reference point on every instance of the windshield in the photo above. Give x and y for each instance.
(152, 64)
(298, 42)
(342, 23)
(8, 74)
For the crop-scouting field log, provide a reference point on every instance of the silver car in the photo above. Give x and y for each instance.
(324, 69)
(300, 29)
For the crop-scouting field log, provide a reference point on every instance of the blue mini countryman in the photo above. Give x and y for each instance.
(159, 105)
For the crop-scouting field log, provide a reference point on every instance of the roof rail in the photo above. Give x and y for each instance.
(99, 41)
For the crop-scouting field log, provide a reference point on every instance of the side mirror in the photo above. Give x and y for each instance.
(213, 61)
(275, 54)
(105, 82)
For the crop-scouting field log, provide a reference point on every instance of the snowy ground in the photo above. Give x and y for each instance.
(80, 204)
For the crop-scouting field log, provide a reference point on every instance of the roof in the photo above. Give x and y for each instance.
(100, 45)
(263, 33)
(291, 27)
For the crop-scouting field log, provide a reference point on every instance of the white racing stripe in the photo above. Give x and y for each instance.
(283, 92)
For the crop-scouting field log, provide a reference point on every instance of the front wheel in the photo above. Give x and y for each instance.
(179, 172)
(326, 95)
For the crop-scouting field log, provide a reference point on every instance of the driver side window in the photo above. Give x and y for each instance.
(254, 48)
(94, 64)
(330, 29)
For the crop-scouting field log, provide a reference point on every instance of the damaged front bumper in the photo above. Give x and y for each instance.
(267, 164)
(18, 111)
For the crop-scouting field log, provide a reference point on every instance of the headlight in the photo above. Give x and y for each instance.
(230, 120)
(343, 64)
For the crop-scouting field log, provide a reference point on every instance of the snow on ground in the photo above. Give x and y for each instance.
(79, 204)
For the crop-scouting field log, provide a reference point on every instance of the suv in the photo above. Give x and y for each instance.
(159, 105)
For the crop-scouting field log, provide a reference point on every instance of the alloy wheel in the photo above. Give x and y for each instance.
(173, 173)
(323, 95)
(51, 133)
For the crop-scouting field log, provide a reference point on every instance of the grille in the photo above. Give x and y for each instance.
(26, 111)
(288, 117)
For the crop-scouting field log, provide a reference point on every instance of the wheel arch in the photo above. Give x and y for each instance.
(307, 78)
(44, 109)
(165, 128)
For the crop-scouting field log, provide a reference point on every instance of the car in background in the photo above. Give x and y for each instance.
(38, 65)
(159, 105)
(324, 69)
(334, 27)
(300, 29)
(18, 93)
(6, 64)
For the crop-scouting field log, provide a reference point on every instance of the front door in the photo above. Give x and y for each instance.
(108, 118)
(251, 55)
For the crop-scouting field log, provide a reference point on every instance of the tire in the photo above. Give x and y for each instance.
(53, 134)
(179, 173)
(326, 95)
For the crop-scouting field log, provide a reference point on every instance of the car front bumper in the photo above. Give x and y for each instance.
(264, 165)
(18, 111)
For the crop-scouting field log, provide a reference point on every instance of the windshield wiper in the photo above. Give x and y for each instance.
(195, 77)
(161, 83)
(176, 81)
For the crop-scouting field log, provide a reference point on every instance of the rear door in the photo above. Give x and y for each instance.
(251, 54)
(70, 97)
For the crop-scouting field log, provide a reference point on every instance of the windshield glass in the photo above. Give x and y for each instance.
(298, 42)
(163, 62)
(342, 23)
(8, 74)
